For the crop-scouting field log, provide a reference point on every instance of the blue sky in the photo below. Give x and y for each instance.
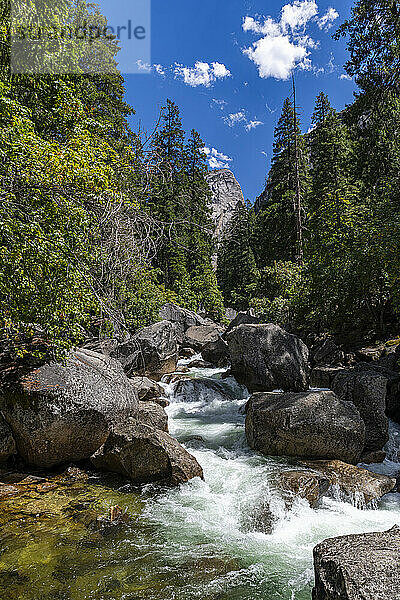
(228, 65)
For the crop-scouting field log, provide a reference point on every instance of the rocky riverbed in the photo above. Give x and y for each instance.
(229, 536)
(211, 492)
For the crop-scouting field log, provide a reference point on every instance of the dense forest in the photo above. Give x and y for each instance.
(100, 225)
(321, 253)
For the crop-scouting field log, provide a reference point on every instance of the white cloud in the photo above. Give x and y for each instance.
(345, 76)
(215, 159)
(220, 71)
(326, 21)
(241, 117)
(142, 66)
(220, 103)
(253, 124)
(277, 56)
(159, 69)
(296, 16)
(235, 118)
(284, 45)
(201, 74)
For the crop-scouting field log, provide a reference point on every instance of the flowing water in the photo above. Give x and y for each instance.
(228, 537)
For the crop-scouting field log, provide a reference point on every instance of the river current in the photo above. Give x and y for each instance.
(229, 537)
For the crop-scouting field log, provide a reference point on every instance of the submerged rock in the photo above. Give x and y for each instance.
(337, 479)
(265, 357)
(144, 454)
(204, 390)
(199, 363)
(354, 483)
(307, 424)
(309, 485)
(153, 351)
(358, 567)
(63, 412)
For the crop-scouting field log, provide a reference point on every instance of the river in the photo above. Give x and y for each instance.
(229, 537)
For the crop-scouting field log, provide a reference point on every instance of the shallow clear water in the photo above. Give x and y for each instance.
(228, 537)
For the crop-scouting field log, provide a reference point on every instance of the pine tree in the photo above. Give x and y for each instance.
(276, 227)
(236, 271)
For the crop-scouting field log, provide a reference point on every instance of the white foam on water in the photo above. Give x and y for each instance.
(238, 512)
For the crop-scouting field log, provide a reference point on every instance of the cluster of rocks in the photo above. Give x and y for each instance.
(103, 403)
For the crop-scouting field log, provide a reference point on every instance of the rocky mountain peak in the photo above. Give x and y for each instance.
(226, 195)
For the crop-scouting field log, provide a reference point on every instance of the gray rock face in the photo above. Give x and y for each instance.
(153, 351)
(226, 196)
(144, 454)
(307, 425)
(198, 337)
(182, 316)
(64, 412)
(367, 391)
(146, 388)
(242, 318)
(358, 567)
(265, 357)
(151, 413)
(7, 442)
(326, 352)
(216, 352)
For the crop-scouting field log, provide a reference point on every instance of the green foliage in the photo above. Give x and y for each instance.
(374, 44)
(81, 238)
(236, 266)
(180, 198)
(279, 293)
(275, 227)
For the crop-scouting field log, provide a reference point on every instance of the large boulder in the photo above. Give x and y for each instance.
(7, 442)
(242, 318)
(307, 424)
(153, 351)
(325, 352)
(338, 479)
(151, 413)
(146, 388)
(199, 336)
(358, 567)
(367, 390)
(265, 357)
(144, 454)
(216, 352)
(63, 412)
(182, 316)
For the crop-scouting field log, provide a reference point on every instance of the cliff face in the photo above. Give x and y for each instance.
(226, 195)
